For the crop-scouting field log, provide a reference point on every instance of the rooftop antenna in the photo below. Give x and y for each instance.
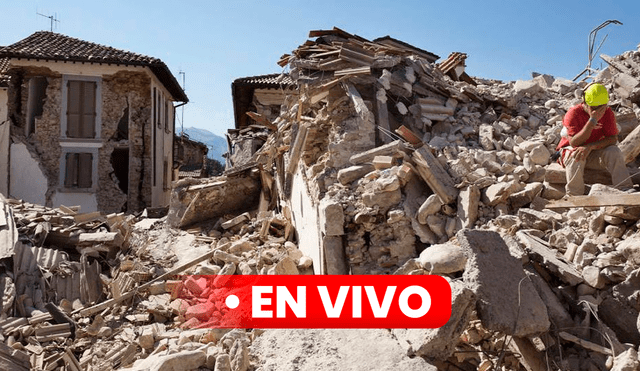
(183, 88)
(52, 18)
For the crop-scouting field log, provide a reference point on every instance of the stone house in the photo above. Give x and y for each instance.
(85, 124)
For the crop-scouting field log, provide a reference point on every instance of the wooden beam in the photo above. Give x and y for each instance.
(108, 303)
(435, 175)
(625, 199)
(296, 151)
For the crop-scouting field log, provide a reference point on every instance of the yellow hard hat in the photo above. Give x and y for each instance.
(596, 95)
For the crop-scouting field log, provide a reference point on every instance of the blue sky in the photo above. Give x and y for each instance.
(216, 42)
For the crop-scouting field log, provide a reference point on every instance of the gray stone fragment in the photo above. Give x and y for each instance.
(349, 174)
(334, 256)
(621, 318)
(558, 314)
(443, 259)
(440, 343)
(507, 300)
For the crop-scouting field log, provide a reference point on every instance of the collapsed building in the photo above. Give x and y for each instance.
(380, 161)
(86, 124)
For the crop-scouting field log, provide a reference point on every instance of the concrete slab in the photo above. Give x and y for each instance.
(507, 300)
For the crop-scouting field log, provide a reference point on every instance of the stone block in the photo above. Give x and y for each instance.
(349, 174)
(382, 162)
(507, 301)
(286, 266)
(468, 201)
(621, 318)
(331, 218)
(334, 256)
(443, 259)
(431, 206)
(440, 343)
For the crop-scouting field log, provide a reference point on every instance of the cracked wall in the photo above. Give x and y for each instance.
(122, 93)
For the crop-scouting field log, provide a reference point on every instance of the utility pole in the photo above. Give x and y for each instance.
(52, 18)
(183, 88)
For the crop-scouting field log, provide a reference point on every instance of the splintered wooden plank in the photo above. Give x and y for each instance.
(435, 175)
(626, 199)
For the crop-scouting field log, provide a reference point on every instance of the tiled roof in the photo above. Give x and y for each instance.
(53, 46)
(274, 80)
(4, 66)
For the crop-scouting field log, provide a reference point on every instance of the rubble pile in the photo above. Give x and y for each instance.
(100, 292)
(381, 162)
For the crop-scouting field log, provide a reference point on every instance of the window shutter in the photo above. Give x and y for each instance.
(88, 109)
(73, 109)
(81, 109)
(71, 173)
(85, 167)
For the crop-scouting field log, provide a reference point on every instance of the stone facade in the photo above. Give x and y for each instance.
(125, 98)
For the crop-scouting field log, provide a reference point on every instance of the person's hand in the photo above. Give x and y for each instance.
(581, 153)
(597, 113)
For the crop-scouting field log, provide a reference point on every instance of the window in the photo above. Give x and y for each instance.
(80, 124)
(78, 170)
(81, 106)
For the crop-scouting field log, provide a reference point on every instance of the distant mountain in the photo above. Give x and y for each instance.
(217, 145)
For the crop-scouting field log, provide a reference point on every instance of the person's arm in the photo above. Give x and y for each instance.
(577, 141)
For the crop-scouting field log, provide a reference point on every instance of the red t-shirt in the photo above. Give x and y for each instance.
(576, 118)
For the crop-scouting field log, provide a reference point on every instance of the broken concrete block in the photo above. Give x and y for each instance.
(183, 360)
(239, 354)
(621, 318)
(540, 155)
(393, 149)
(440, 343)
(558, 314)
(240, 246)
(443, 259)
(431, 206)
(226, 257)
(506, 299)
(331, 217)
(334, 255)
(242, 218)
(627, 291)
(286, 266)
(499, 192)
(593, 277)
(526, 196)
(223, 363)
(535, 219)
(383, 200)
(526, 87)
(437, 223)
(468, 201)
(212, 198)
(485, 132)
(349, 174)
(423, 232)
(383, 162)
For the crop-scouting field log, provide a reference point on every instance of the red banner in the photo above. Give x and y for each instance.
(390, 301)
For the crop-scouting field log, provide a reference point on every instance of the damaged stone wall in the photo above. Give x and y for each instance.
(125, 96)
(122, 91)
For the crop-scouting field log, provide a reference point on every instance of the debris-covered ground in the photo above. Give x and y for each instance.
(412, 168)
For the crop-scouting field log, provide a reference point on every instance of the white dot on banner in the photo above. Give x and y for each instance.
(232, 301)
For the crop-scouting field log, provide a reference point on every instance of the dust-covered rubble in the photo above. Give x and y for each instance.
(397, 169)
